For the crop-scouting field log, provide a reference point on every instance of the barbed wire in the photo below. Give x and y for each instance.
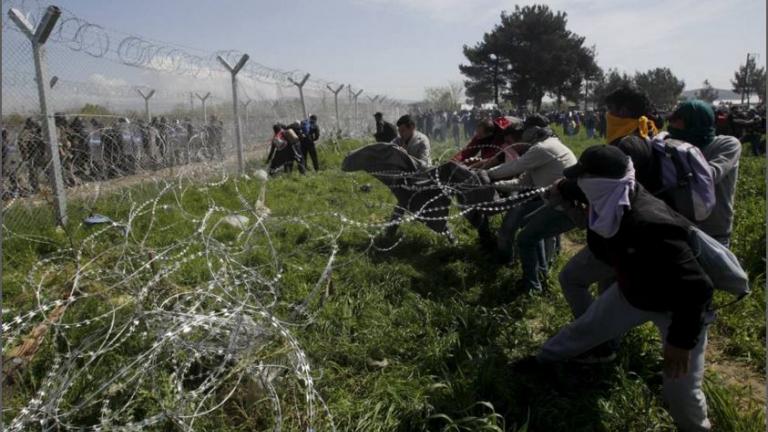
(121, 295)
(97, 41)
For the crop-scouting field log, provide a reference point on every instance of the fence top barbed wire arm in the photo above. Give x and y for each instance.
(146, 95)
(238, 136)
(38, 37)
(300, 85)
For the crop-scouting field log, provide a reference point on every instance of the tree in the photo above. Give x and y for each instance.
(661, 85)
(757, 80)
(482, 72)
(748, 79)
(609, 82)
(530, 53)
(13, 120)
(446, 98)
(94, 109)
(708, 93)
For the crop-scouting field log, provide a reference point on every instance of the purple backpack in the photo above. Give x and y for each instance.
(686, 177)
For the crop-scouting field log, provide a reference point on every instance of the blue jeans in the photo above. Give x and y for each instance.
(513, 221)
(539, 227)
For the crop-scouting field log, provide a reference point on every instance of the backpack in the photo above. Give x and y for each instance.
(686, 178)
(719, 263)
(306, 127)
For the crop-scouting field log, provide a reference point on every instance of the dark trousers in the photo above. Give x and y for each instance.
(308, 148)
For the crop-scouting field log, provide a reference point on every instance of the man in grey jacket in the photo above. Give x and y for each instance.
(416, 145)
(413, 142)
(694, 121)
(540, 166)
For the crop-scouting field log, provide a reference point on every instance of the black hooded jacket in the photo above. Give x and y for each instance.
(656, 269)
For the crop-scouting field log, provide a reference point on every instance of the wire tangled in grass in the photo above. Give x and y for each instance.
(147, 332)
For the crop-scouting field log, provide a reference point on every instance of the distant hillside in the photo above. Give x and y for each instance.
(724, 94)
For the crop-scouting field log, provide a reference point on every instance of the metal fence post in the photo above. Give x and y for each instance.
(300, 85)
(354, 97)
(247, 120)
(202, 100)
(372, 100)
(146, 102)
(233, 70)
(336, 104)
(38, 36)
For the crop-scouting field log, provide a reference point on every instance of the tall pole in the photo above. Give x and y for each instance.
(300, 85)
(38, 36)
(247, 120)
(748, 85)
(354, 97)
(373, 104)
(336, 103)
(495, 60)
(202, 100)
(373, 100)
(146, 102)
(238, 138)
(745, 89)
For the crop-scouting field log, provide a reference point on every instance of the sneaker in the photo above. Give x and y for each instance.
(600, 354)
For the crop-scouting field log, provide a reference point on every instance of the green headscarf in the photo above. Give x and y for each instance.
(699, 122)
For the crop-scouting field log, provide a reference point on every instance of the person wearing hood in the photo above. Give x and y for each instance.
(658, 279)
(694, 122)
(540, 166)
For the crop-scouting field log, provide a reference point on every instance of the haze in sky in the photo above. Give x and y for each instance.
(398, 47)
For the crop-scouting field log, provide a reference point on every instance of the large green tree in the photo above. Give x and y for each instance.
(749, 79)
(446, 98)
(661, 85)
(483, 71)
(758, 83)
(707, 92)
(530, 53)
(606, 83)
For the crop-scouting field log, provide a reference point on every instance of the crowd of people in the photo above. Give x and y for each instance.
(638, 220)
(747, 124)
(294, 144)
(89, 150)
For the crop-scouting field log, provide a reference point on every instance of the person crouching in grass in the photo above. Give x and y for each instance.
(658, 279)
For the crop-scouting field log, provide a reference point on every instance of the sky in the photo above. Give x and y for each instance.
(399, 47)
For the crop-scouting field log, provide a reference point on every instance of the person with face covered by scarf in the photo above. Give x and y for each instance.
(629, 130)
(694, 122)
(658, 279)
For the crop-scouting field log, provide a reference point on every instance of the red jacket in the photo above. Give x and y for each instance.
(488, 146)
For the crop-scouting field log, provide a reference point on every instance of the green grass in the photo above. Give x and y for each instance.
(426, 336)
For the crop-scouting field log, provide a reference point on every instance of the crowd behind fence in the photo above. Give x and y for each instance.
(129, 107)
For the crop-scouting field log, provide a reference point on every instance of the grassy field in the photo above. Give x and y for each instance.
(423, 335)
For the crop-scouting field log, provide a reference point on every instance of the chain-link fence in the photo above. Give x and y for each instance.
(125, 109)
